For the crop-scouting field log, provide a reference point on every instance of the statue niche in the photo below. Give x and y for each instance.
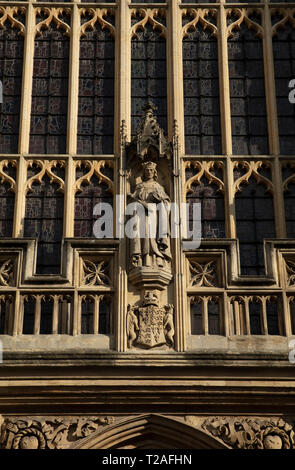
(149, 323)
(149, 249)
(146, 250)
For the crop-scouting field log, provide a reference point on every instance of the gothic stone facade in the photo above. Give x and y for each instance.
(147, 342)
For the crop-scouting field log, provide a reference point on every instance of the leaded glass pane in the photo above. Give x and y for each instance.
(247, 92)
(50, 91)
(201, 93)
(11, 63)
(148, 75)
(96, 91)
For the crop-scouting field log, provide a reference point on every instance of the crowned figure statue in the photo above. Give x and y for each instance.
(152, 247)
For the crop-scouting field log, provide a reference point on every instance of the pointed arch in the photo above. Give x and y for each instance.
(149, 431)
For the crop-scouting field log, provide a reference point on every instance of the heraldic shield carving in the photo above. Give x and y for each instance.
(150, 325)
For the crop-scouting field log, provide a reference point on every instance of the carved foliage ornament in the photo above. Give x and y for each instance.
(201, 16)
(148, 15)
(8, 14)
(4, 177)
(252, 169)
(287, 15)
(97, 15)
(7, 273)
(46, 167)
(48, 432)
(94, 168)
(251, 433)
(150, 141)
(290, 267)
(203, 168)
(291, 178)
(244, 15)
(54, 15)
(150, 325)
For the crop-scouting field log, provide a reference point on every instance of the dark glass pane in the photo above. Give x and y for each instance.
(11, 63)
(201, 92)
(212, 204)
(96, 91)
(284, 65)
(289, 200)
(196, 319)
(7, 204)
(272, 318)
(46, 317)
(2, 317)
(200, 1)
(29, 316)
(147, 1)
(104, 317)
(255, 320)
(85, 201)
(214, 318)
(50, 91)
(44, 220)
(247, 92)
(255, 222)
(292, 313)
(87, 317)
(148, 75)
(96, 1)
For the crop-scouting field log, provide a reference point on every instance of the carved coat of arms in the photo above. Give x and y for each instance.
(149, 325)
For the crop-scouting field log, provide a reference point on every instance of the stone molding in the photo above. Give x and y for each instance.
(62, 432)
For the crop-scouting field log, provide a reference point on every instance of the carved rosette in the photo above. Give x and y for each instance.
(203, 274)
(95, 272)
(48, 432)
(150, 325)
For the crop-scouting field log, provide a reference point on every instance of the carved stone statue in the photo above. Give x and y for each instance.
(149, 250)
(150, 325)
(132, 326)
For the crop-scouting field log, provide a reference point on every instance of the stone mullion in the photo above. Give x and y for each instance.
(37, 315)
(205, 322)
(225, 121)
(174, 64)
(272, 122)
(264, 316)
(237, 317)
(247, 315)
(27, 82)
(225, 113)
(270, 90)
(122, 72)
(25, 121)
(96, 314)
(76, 314)
(278, 199)
(176, 133)
(229, 200)
(286, 315)
(73, 93)
(18, 314)
(20, 198)
(55, 314)
(122, 133)
(181, 321)
(69, 199)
